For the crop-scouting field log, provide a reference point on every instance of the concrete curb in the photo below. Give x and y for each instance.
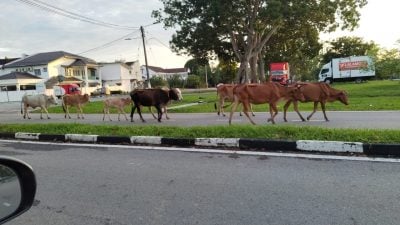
(243, 144)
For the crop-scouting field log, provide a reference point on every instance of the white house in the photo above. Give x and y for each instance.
(15, 84)
(121, 76)
(164, 73)
(57, 68)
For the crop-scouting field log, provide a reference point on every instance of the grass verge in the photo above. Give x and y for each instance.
(277, 132)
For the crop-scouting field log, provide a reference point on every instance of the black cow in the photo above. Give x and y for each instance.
(156, 97)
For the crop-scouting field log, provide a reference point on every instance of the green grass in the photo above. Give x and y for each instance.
(276, 132)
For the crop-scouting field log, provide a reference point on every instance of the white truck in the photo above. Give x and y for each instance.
(356, 68)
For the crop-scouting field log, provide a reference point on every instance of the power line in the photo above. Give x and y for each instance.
(61, 12)
(110, 43)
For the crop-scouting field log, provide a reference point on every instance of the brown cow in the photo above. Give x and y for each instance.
(269, 92)
(158, 98)
(74, 100)
(118, 103)
(317, 93)
(225, 93)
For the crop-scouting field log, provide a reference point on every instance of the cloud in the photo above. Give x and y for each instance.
(27, 29)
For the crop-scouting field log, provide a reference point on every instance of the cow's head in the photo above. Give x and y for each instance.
(86, 98)
(52, 100)
(295, 91)
(127, 101)
(342, 97)
(175, 94)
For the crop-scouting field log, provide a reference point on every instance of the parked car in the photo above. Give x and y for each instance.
(97, 92)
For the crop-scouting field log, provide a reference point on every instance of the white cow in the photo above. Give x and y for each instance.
(41, 100)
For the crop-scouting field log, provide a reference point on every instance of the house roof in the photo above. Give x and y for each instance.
(7, 60)
(44, 59)
(18, 75)
(161, 70)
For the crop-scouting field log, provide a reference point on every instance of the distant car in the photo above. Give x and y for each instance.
(97, 92)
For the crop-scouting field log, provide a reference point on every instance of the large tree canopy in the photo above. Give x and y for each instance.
(242, 28)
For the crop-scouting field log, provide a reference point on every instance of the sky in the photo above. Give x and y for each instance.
(25, 29)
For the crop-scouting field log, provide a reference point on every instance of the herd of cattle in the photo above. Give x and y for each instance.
(245, 94)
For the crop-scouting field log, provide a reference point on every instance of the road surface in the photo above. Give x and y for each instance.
(121, 185)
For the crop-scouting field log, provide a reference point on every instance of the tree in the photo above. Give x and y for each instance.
(223, 27)
(195, 64)
(157, 82)
(388, 64)
(349, 46)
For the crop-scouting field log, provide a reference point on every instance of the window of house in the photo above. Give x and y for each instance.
(28, 87)
(44, 69)
(9, 88)
(37, 72)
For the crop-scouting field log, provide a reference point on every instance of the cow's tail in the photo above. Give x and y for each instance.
(227, 105)
(63, 104)
(22, 102)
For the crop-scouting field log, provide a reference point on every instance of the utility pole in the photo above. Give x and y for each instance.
(145, 58)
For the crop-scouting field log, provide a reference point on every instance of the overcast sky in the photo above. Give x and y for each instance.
(25, 29)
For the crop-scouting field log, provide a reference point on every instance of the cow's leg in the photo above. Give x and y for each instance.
(314, 110)
(233, 109)
(47, 113)
(323, 110)
(140, 112)
(221, 107)
(285, 107)
(159, 112)
(296, 108)
(251, 109)
(25, 111)
(133, 111)
(80, 111)
(67, 112)
(151, 111)
(246, 107)
(166, 114)
(123, 111)
(274, 109)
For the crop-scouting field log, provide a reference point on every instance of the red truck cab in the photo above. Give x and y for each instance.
(63, 89)
(279, 72)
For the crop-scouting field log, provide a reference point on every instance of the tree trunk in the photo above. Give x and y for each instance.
(261, 67)
(253, 70)
(241, 76)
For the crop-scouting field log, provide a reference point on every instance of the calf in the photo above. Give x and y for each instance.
(225, 93)
(118, 103)
(153, 97)
(41, 100)
(317, 93)
(269, 92)
(74, 100)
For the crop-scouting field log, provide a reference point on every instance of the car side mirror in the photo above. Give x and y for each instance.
(17, 188)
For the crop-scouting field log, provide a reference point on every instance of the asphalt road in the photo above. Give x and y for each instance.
(10, 113)
(126, 185)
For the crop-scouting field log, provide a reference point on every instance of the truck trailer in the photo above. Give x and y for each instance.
(357, 68)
